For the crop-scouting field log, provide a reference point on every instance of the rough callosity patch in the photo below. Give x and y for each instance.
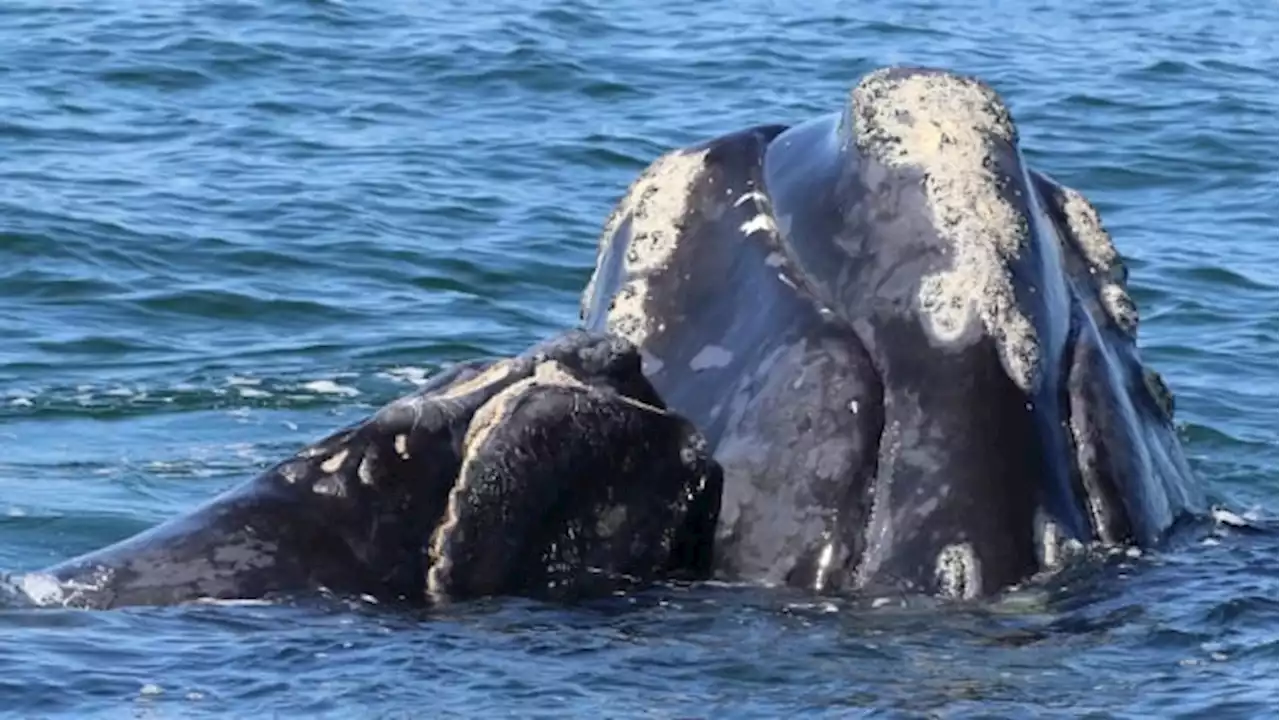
(945, 125)
(485, 421)
(1095, 242)
(492, 412)
(958, 572)
(495, 373)
(1100, 252)
(1120, 308)
(656, 204)
(334, 463)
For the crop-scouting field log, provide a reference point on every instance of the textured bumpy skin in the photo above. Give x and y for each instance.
(913, 356)
(568, 489)
(356, 512)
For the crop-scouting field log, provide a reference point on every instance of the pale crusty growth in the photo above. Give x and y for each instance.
(334, 463)
(945, 125)
(483, 423)
(958, 572)
(656, 203)
(1120, 307)
(1095, 242)
(1100, 252)
(495, 373)
(493, 412)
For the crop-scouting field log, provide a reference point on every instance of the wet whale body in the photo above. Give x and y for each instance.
(554, 474)
(913, 355)
(874, 351)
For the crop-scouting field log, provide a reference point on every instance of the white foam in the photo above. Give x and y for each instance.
(408, 374)
(329, 387)
(1222, 516)
(42, 589)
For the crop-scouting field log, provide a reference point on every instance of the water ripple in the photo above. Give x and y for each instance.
(230, 227)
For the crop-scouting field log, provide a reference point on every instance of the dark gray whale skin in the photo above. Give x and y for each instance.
(563, 453)
(913, 355)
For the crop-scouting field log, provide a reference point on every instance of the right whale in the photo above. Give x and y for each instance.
(913, 356)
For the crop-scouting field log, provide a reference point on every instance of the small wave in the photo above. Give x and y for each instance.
(329, 387)
(230, 392)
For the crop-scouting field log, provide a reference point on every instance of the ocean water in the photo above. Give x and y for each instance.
(227, 228)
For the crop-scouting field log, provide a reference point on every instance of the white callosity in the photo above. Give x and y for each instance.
(1100, 252)
(483, 423)
(945, 126)
(656, 204)
(958, 572)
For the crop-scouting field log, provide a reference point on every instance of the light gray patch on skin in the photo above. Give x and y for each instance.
(656, 204)
(401, 443)
(928, 506)
(945, 125)
(776, 476)
(710, 356)
(292, 472)
(958, 572)
(365, 470)
(893, 523)
(334, 463)
(331, 485)
(650, 364)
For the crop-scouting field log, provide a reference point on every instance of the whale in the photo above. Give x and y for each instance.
(913, 355)
(555, 474)
(871, 351)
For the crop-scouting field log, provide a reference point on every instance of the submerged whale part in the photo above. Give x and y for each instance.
(557, 473)
(913, 355)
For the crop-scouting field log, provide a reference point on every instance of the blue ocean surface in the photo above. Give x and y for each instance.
(228, 228)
